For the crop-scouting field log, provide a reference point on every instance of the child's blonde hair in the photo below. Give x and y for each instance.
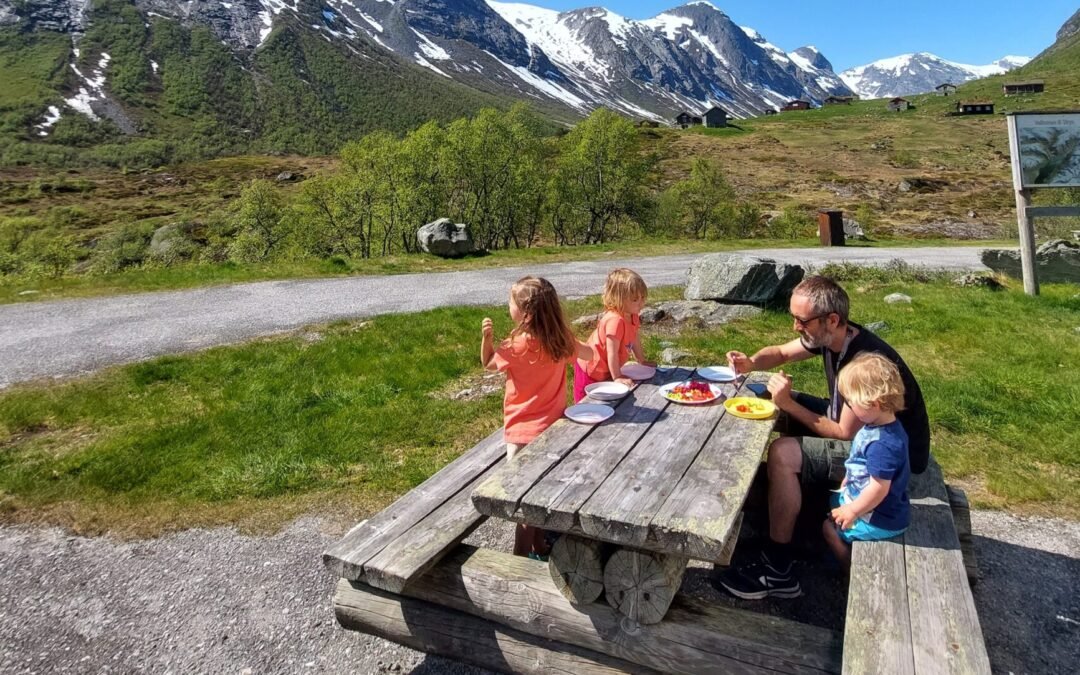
(872, 378)
(543, 317)
(621, 287)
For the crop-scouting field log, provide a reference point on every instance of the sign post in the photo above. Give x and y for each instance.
(1044, 148)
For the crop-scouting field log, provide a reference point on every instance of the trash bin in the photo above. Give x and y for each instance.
(831, 227)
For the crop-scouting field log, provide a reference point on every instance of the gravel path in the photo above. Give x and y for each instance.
(69, 337)
(214, 601)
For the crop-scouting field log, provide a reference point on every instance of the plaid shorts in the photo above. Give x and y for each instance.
(822, 459)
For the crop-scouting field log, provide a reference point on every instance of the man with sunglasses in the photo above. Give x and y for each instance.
(811, 453)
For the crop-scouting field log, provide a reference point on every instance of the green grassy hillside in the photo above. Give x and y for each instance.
(297, 93)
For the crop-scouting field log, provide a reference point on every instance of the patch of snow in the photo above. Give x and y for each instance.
(94, 89)
(669, 24)
(430, 49)
(52, 116)
(543, 28)
(802, 62)
(427, 64)
(154, 66)
(549, 88)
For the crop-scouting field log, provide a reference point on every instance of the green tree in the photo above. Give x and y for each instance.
(598, 180)
(259, 216)
(707, 199)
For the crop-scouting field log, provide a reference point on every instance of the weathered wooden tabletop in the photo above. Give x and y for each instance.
(659, 475)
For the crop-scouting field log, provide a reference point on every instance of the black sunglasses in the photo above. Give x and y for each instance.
(806, 322)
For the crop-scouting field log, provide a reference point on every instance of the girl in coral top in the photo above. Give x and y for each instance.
(616, 334)
(534, 359)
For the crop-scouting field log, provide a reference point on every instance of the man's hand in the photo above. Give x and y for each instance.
(780, 388)
(739, 362)
(486, 329)
(844, 516)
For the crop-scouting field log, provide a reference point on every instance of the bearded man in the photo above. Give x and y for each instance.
(817, 440)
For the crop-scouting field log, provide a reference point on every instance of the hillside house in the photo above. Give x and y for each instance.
(898, 104)
(685, 119)
(716, 118)
(945, 89)
(797, 104)
(839, 100)
(975, 107)
(1030, 87)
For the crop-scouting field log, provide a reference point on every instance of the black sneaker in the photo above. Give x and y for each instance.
(758, 581)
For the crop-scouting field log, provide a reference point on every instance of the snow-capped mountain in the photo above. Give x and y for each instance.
(688, 58)
(919, 73)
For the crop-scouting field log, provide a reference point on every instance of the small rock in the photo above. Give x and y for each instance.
(28, 292)
(653, 314)
(904, 186)
(664, 344)
(672, 355)
(979, 281)
(285, 177)
(895, 298)
(1077, 330)
(587, 321)
(972, 214)
(878, 327)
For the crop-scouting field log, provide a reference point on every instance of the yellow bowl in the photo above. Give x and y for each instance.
(756, 408)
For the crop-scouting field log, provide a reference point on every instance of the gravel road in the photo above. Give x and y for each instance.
(215, 601)
(70, 337)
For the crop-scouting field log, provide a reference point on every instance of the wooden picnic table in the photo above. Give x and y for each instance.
(659, 476)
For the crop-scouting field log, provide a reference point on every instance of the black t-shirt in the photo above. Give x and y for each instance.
(913, 417)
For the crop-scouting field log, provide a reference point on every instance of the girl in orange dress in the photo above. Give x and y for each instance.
(534, 359)
(616, 334)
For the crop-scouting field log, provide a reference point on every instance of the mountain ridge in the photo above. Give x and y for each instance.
(919, 73)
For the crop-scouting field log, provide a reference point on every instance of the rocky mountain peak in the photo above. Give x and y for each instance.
(1070, 27)
(814, 57)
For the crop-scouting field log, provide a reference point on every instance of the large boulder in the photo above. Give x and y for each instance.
(1056, 262)
(703, 312)
(737, 278)
(446, 239)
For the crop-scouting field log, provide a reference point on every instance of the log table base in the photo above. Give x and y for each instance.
(641, 584)
(577, 568)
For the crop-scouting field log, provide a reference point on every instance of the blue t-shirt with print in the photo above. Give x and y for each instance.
(881, 452)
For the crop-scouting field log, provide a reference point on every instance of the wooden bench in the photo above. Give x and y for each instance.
(910, 608)
(407, 538)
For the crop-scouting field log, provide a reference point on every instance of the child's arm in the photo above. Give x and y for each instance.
(639, 354)
(872, 495)
(487, 345)
(613, 361)
(584, 351)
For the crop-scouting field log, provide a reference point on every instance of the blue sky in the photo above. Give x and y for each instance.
(854, 32)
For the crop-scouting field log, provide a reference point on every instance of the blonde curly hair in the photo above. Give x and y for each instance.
(621, 287)
(872, 378)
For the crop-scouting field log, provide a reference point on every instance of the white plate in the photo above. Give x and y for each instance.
(637, 371)
(665, 391)
(607, 391)
(589, 413)
(718, 373)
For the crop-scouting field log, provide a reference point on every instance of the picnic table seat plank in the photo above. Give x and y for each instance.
(877, 627)
(910, 608)
(695, 636)
(623, 507)
(346, 558)
(553, 503)
(428, 627)
(945, 632)
(421, 546)
(700, 513)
